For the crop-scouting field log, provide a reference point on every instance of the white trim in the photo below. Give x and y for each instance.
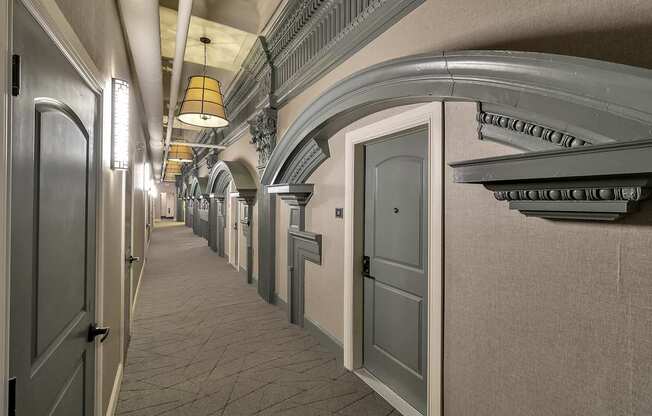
(53, 21)
(430, 114)
(386, 393)
(136, 292)
(5, 180)
(123, 256)
(115, 393)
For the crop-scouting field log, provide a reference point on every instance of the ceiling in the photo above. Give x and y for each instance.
(232, 26)
(228, 48)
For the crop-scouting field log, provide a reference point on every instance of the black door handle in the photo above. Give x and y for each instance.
(95, 331)
(132, 259)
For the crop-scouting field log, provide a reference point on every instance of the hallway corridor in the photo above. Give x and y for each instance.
(204, 343)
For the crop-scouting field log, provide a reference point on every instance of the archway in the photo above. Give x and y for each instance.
(573, 109)
(197, 195)
(221, 175)
(584, 127)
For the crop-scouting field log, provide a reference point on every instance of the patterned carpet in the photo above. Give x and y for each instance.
(205, 344)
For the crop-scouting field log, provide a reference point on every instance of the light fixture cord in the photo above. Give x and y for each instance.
(205, 54)
(203, 89)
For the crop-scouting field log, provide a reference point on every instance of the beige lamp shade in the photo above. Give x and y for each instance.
(172, 169)
(179, 153)
(203, 105)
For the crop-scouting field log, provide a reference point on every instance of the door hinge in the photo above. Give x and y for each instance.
(366, 266)
(12, 397)
(15, 75)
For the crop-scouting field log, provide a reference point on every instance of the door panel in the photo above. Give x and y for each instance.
(53, 229)
(395, 302)
(60, 163)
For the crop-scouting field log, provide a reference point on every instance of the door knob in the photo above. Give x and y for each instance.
(95, 331)
(132, 259)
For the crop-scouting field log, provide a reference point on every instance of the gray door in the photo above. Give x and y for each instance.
(396, 238)
(52, 229)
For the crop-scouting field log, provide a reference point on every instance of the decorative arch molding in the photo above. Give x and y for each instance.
(564, 93)
(570, 109)
(224, 171)
(197, 187)
(221, 175)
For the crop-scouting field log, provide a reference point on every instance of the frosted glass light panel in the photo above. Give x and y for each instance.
(120, 125)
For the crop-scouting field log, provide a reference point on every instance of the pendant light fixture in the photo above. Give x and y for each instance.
(203, 104)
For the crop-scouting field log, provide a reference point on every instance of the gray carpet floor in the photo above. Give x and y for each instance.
(204, 343)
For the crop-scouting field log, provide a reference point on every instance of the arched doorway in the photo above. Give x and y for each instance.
(230, 183)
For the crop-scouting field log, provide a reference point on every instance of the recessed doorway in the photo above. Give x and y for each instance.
(393, 258)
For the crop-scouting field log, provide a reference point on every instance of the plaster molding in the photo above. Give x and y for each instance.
(302, 246)
(306, 160)
(297, 197)
(539, 84)
(600, 199)
(307, 39)
(263, 135)
(293, 194)
(598, 101)
(316, 31)
(514, 131)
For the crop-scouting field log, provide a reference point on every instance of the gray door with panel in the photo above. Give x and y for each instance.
(395, 247)
(54, 120)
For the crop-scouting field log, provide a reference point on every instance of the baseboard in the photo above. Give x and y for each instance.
(325, 338)
(242, 272)
(115, 392)
(280, 302)
(386, 393)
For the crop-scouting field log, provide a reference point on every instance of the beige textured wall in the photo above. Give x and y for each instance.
(541, 317)
(97, 24)
(245, 152)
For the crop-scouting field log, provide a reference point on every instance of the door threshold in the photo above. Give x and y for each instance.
(386, 393)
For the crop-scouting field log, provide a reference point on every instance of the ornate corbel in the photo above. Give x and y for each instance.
(211, 159)
(297, 197)
(194, 170)
(263, 135)
(590, 182)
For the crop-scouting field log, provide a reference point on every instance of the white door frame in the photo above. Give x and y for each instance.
(5, 22)
(54, 23)
(431, 115)
(234, 235)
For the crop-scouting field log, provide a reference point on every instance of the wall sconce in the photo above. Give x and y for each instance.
(120, 125)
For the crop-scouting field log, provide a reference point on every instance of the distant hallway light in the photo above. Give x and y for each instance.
(120, 125)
